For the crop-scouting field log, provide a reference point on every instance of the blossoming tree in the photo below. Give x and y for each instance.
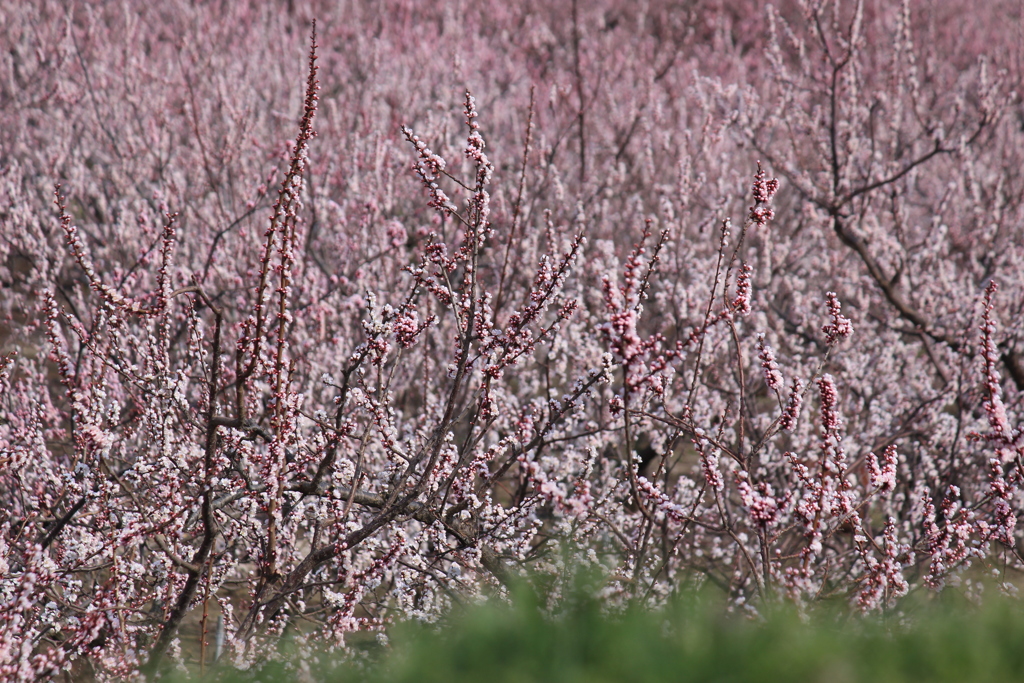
(317, 334)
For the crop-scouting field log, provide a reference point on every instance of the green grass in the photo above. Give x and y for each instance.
(693, 640)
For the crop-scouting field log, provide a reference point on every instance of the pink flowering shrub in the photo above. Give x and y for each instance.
(313, 336)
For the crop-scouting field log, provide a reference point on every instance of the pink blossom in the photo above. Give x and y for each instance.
(840, 327)
(770, 369)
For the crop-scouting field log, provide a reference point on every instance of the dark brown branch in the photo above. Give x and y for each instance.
(52, 534)
(465, 532)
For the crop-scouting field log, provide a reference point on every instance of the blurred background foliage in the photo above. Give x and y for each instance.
(695, 638)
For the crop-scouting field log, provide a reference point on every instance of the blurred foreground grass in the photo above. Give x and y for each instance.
(693, 640)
